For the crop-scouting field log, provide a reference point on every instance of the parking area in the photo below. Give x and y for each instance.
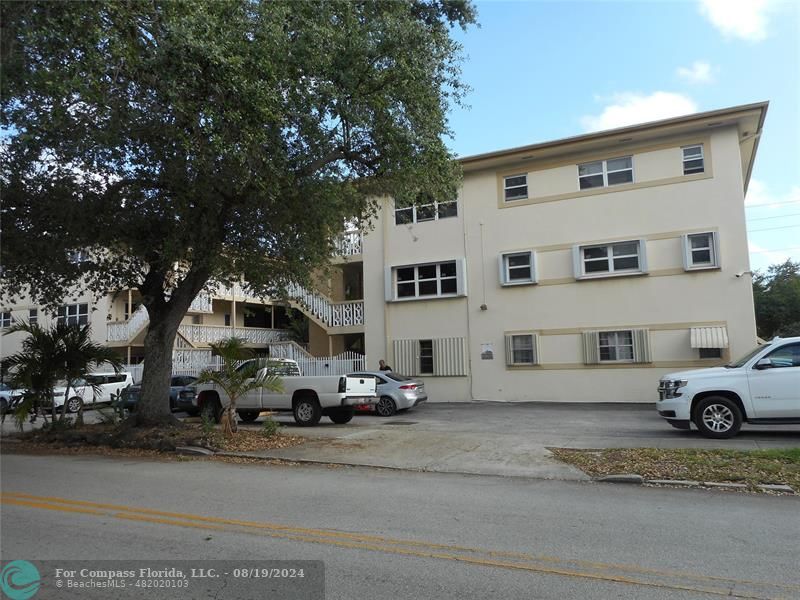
(504, 438)
(498, 438)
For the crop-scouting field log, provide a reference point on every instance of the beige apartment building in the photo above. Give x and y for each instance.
(581, 269)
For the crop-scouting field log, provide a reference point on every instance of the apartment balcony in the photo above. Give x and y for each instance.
(211, 334)
(202, 304)
(349, 244)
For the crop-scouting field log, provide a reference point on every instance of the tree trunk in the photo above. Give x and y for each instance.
(153, 405)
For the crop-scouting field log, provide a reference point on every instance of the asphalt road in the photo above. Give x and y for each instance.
(395, 535)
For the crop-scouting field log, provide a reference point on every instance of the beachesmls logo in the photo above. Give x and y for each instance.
(20, 580)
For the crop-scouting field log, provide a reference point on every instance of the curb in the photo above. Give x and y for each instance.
(638, 479)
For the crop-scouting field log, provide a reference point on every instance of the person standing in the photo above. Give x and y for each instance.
(382, 366)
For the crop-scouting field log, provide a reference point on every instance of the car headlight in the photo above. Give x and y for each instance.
(671, 387)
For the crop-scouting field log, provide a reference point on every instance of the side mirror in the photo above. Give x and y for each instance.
(764, 363)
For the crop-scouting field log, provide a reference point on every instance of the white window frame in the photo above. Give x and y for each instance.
(605, 172)
(616, 345)
(435, 205)
(580, 261)
(6, 319)
(688, 251)
(505, 268)
(511, 357)
(73, 313)
(701, 158)
(507, 187)
(392, 284)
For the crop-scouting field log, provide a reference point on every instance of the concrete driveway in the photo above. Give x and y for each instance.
(493, 438)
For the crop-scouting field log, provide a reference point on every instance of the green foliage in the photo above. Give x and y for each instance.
(270, 427)
(207, 424)
(298, 327)
(777, 300)
(50, 354)
(237, 378)
(187, 143)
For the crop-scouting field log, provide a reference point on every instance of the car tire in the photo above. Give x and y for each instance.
(74, 404)
(386, 407)
(307, 411)
(718, 417)
(248, 416)
(342, 415)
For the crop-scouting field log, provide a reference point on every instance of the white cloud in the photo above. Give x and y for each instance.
(745, 19)
(698, 72)
(758, 193)
(631, 109)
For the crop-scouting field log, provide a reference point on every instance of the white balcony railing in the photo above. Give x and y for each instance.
(122, 331)
(332, 314)
(349, 244)
(201, 304)
(210, 334)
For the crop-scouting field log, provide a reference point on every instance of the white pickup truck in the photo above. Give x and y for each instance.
(762, 388)
(308, 397)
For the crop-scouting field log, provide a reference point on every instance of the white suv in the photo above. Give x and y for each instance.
(762, 388)
(96, 388)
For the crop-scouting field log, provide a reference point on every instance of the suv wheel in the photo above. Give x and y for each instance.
(718, 417)
(74, 404)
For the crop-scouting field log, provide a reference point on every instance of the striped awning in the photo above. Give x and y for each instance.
(709, 337)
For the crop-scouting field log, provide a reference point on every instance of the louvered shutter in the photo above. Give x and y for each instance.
(641, 346)
(406, 357)
(591, 350)
(450, 357)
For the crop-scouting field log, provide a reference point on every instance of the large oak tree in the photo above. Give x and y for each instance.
(188, 143)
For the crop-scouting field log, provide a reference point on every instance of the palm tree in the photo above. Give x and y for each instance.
(35, 368)
(237, 379)
(80, 355)
(48, 355)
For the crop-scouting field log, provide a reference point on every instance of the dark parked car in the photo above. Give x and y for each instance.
(182, 396)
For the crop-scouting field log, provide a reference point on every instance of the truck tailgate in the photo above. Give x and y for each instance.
(360, 387)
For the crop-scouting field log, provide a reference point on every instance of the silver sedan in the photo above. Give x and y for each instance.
(396, 392)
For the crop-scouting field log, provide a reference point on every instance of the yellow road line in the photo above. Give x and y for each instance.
(363, 542)
(384, 540)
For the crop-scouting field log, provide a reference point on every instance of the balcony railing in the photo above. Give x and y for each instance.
(349, 244)
(122, 331)
(201, 304)
(332, 314)
(211, 334)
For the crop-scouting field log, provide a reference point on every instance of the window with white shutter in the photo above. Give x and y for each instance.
(439, 357)
(522, 349)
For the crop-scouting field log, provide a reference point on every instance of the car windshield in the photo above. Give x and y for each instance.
(396, 376)
(741, 362)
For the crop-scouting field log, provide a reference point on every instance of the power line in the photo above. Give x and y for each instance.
(775, 217)
(771, 204)
(773, 228)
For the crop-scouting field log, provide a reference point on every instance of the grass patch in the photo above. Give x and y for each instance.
(751, 467)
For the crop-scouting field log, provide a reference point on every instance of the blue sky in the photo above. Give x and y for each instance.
(545, 70)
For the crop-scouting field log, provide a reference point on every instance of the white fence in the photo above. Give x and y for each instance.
(345, 363)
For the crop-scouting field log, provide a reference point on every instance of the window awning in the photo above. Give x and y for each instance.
(709, 337)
